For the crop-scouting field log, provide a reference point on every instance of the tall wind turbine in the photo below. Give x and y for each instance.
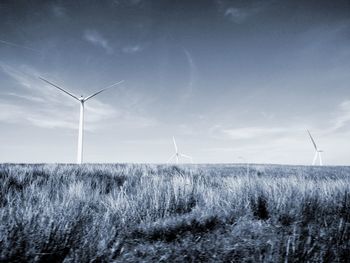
(317, 151)
(81, 100)
(177, 155)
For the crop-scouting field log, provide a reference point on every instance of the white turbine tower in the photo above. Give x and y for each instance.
(81, 100)
(317, 151)
(177, 155)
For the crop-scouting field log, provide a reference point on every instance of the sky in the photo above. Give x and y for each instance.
(233, 81)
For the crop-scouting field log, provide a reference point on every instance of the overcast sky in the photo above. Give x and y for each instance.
(231, 80)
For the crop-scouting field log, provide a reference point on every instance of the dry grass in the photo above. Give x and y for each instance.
(211, 213)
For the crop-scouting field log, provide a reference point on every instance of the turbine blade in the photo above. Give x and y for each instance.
(170, 158)
(312, 139)
(67, 92)
(98, 92)
(175, 144)
(187, 156)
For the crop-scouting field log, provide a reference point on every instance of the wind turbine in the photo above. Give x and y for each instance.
(81, 100)
(177, 155)
(318, 152)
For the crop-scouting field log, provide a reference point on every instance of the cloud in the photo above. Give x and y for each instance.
(99, 111)
(135, 2)
(237, 15)
(18, 46)
(127, 2)
(44, 106)
(98, 40)
(241, 13)
(58, 11)
(24, 97)
(132, 49)
(255, 133)
(23, 76)
(342, 118)
(12, 113)
(252, 132)
(263, 144)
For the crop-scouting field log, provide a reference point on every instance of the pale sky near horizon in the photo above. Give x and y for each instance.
(233, 81)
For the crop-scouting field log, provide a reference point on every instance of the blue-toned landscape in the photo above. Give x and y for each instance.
(200, 131)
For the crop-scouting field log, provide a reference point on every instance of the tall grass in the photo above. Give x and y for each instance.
(155, 213)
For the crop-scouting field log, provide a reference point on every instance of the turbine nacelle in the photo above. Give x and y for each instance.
(178, 155)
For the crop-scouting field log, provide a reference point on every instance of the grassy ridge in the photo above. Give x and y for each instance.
(214, 213)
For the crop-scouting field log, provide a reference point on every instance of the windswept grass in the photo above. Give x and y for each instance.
(150, 213)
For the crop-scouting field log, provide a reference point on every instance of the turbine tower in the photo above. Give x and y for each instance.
(82, 101)
(177, 155)
(317, 151)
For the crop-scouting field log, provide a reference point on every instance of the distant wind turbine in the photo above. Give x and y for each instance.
(81, 100)
(317, 151)
(177, 155)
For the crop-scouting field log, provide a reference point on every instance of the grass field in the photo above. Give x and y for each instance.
(154, 213)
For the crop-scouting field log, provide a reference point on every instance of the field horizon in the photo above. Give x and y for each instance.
(180, 164)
